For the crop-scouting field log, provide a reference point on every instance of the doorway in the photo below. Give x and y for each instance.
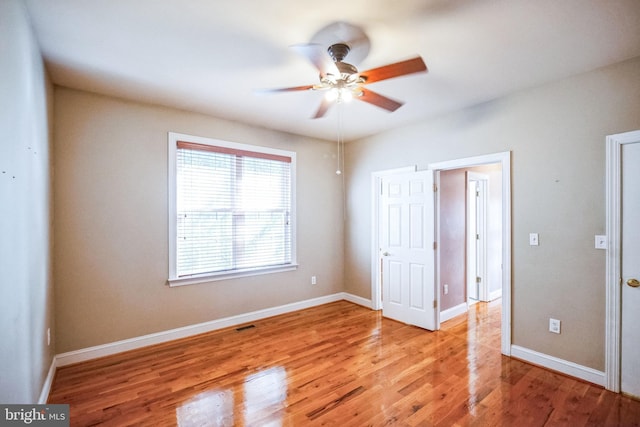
(504, 161)
(470, 208)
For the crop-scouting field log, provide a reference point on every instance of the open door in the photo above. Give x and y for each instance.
(407, 255)
(476, 236)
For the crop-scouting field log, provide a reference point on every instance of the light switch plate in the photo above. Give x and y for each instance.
(533, 239)
(601, 242)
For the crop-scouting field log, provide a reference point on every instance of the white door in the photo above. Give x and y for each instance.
(407, 248)
(473, 289)
(630, 225)
(477, 289)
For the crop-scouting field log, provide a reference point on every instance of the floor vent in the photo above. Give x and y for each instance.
(243, 328)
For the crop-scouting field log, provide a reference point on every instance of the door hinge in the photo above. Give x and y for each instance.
(478, 280)
(435, 304)
(435, 188)
(477, 237)
(435, 246)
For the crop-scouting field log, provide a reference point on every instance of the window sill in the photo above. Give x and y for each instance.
(213, 277)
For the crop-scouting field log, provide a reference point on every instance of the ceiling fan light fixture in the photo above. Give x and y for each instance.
(345, 95)
(339, 94)
(332, 94)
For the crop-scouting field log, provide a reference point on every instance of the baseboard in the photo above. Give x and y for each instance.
(560, 365)
(357, 300)
(48, 382)
(89, 353)
(495, 294)
(174, 334)
(452, 312)
(553, 363)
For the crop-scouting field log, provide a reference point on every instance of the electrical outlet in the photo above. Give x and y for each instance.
(554, 326)
(533, 239)
(313, 280)
(446, 289)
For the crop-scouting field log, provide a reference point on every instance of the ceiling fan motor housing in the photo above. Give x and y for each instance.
(338, 52)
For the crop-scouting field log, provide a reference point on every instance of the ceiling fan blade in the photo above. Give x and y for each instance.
(402, 68)
(318, 56)
(379, 100)
(286, 89)
(324, 106)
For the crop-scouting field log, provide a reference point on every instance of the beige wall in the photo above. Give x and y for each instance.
(556, 134)
(111, 254)
(26, 286)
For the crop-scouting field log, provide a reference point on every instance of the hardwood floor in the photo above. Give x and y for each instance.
(337, 364)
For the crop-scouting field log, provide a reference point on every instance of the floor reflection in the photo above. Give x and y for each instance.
(263, 393)
(211, 408)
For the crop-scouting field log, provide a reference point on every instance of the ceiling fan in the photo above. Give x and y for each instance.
(341, 80)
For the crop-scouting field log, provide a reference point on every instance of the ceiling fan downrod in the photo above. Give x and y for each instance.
(338, 52)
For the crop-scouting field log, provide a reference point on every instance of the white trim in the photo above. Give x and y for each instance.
(357, 300)
(495, 294)
(613, 311)
(203, 278)
(559, 365)
(452, 312)
(89, 353)
(82, 355)
(48, 382)
(504, 159)
(173, 278)
(376, 280)
(436, 214)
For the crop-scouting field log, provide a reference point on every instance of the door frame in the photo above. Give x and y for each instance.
(613, 332)
(504, 158)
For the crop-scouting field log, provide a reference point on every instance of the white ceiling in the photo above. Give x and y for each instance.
(209, 56)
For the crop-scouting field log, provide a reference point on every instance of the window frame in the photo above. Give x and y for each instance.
(174, 279)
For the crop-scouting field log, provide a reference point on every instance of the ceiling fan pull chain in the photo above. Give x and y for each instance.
(340, 142)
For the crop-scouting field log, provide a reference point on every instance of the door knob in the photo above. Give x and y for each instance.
(386, 254)
(634, 283)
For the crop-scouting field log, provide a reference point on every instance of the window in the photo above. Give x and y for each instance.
(231, 209)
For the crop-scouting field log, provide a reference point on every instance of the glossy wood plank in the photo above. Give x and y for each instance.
(337, 364)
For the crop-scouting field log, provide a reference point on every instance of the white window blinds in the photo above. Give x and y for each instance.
(233, 209)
